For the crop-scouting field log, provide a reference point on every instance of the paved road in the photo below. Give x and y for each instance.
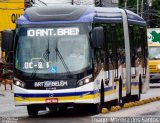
(7, 109)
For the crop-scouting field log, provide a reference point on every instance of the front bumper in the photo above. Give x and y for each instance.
(24, 97)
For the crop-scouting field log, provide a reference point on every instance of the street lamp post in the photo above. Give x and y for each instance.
(138, 7)
(142, 8)
(125, 4)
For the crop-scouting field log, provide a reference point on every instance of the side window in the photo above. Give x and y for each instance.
(115, 47)
(132, 45)
(114, 50)
(113, 55)
(102, 56)
(97, 56)
(109, 50)
(120, 45)
(138, 45)
(108, 46)
(144, 48)
(135, 47)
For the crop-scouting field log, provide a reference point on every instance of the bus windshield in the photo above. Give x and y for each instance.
(52, 49)
(154, 53)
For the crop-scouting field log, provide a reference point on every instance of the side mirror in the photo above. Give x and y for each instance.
(7, 40)
(7, 45)
(98, 37)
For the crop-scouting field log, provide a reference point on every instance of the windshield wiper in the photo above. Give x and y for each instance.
(45, 56)
(63, 62)
(48, 51)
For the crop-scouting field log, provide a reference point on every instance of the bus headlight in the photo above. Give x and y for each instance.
(19, 83)
(84, 81)
(158, 66)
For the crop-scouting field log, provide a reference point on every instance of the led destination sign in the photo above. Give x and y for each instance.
(53, 32)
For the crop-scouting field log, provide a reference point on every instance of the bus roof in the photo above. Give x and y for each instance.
(71, 13)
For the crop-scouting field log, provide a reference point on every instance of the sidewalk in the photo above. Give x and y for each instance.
(3, 92)
(7, 107)
(152, 92)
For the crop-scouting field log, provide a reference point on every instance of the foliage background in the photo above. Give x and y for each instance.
(150, 13)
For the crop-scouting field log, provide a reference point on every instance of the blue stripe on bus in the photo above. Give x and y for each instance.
(134, 83)
(108, 88)
(54, 94)
(60, 94)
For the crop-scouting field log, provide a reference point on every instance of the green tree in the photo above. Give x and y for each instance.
(150, 14)
(131, 4)
(154, 14)
(156, 4)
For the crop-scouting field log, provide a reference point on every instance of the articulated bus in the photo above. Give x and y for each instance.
(78, 56)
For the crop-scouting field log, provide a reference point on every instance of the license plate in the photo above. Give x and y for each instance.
(52, 100)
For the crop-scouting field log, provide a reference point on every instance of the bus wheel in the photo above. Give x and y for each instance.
(140, 88)
(32, 111)
(63, 109)
(102, 96)
(96, 108)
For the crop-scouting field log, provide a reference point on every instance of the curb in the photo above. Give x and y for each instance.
(130, 104)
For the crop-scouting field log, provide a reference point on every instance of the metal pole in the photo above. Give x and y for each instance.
(142, 8)
(125, 4)
(138, 7)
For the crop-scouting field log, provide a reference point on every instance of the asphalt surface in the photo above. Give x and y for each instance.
(8, 112)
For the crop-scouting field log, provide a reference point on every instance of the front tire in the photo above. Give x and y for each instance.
(96, 108)
(32, 111)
